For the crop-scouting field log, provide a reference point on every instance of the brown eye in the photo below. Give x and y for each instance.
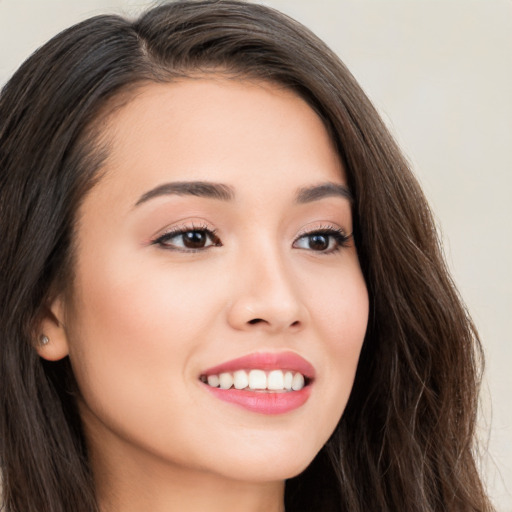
(188, 239)
(318, 242)
(194, 239)
(325, 241)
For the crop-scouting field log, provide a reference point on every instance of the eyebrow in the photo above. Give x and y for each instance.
(190, 188)
(317, 192)
(224, 192)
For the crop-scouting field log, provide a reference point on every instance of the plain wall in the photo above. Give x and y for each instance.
(440, 72)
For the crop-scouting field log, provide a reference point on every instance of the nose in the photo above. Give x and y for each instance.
(267, 297)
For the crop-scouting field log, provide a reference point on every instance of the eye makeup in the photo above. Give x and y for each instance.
(191, 238)
(325, 239)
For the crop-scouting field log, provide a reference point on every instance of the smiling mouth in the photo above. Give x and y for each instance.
(257, 380)
(262, 382)
(258, 396)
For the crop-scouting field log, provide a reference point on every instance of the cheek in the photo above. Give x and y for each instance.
(349, 318)
(134, 328)
(340, 307)
(140, 306)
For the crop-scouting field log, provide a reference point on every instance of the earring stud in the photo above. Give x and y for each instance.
(44, 340)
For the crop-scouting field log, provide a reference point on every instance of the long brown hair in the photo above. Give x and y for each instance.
(405, 441)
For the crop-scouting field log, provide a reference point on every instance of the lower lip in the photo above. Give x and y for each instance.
(263, 402)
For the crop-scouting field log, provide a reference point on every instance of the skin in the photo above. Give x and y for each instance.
(144, 320)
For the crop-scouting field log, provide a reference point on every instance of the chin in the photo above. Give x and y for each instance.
(267, 464)
(269, 472)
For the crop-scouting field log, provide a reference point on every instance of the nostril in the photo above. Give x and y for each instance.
(255, 321)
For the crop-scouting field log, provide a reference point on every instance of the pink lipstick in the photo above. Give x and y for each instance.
(263, 382)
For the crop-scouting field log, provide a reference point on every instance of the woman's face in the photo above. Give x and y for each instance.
(220, 230)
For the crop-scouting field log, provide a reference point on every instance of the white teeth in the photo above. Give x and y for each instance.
(213, 381)
(275, 380)
(288, 379)
(240, 379)
(258, 380)
(297, 382)
(225, 380)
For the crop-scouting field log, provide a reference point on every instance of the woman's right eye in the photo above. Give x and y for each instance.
(188, 240)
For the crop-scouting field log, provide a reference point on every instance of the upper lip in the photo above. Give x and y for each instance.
(286, 360)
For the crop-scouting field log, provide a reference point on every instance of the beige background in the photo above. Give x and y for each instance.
(441, 74)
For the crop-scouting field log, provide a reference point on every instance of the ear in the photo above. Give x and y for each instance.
(51, 337)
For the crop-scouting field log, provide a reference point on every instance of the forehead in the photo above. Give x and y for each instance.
(221, 129)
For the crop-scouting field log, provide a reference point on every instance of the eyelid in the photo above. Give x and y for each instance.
(324, 226)
(333, 230)
(185, 227)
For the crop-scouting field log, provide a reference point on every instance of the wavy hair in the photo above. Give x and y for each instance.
(406, 438)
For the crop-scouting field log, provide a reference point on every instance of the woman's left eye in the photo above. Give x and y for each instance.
(324, 241)
(188, 239)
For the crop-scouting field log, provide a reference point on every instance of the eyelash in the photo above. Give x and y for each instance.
(330, 232)
(182, 230)
(341, 238)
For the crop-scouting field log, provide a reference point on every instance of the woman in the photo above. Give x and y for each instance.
(221, 284)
